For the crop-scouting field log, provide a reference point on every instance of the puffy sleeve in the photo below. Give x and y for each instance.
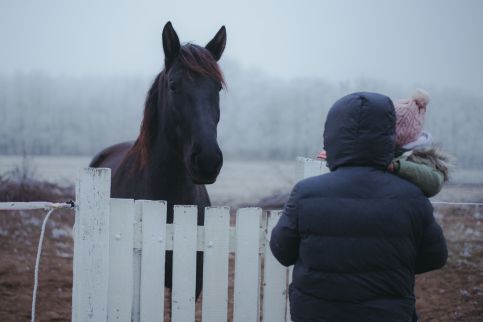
(432, 252)
(285, 238)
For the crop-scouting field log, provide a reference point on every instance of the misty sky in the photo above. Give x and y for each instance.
(437, 43)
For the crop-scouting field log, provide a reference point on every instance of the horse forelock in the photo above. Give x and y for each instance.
(199, 60)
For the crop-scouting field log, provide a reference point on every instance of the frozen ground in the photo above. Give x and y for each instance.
(240, 181)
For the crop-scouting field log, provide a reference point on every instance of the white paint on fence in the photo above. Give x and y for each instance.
(247, 280)
(184, 263)
(274, 279)
(215, 269)
(121, 235)
(136, 256)
(91, 246)
(152, 263)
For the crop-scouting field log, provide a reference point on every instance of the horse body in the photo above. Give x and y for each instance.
(112, 156)
(176, 152)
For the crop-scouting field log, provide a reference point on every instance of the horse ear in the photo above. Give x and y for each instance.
(217, 45)
(171, 44)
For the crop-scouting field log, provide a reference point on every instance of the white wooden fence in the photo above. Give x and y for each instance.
(119, 254)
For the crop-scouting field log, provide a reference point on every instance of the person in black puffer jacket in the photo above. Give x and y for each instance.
(359, 234)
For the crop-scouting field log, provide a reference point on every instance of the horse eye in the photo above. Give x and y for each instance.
(220, 88)
(172, 86)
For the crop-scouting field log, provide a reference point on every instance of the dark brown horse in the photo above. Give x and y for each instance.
(176, 152)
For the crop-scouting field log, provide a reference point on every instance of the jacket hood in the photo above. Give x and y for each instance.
(360, 131)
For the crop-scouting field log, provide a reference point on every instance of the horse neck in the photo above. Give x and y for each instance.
(165, 162)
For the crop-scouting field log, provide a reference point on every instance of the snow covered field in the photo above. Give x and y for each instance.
(240, 182)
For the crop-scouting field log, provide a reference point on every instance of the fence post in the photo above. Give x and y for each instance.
(91, 245)
(307, 167)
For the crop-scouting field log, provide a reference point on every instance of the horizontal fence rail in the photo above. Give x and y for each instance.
(35, 205)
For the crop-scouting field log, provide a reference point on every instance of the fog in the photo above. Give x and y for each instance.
(73, 77)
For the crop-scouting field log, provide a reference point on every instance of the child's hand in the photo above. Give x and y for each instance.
(390, 167)
(322, 155)
(393, 166)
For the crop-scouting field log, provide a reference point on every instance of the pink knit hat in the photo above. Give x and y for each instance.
(410, 114)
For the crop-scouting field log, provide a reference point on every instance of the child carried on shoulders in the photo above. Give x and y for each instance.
(417, 159)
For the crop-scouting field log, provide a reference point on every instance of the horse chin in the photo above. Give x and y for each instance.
(203, 179)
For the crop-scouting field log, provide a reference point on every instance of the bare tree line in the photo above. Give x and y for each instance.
(262, 117)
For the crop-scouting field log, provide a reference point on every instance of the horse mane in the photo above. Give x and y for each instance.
(192, 58)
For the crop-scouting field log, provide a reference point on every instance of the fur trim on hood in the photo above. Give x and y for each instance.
(434, 157)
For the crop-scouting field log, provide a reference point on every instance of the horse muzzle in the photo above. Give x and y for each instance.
(205, 167)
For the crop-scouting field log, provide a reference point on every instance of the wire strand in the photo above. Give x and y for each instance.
(37, 263)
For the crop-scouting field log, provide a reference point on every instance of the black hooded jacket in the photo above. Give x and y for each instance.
(359, 234)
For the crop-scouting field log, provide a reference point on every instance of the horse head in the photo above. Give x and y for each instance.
(191, 84)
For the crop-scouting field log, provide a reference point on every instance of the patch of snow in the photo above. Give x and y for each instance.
(3, 232)
(60, 232)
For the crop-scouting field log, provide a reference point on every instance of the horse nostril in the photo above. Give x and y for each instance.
(207, 163)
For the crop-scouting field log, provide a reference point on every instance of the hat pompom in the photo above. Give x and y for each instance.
(421, 97)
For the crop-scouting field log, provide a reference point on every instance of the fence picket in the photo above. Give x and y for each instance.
(215, 270)
(247, 279)
(120, 260)
(306, 167)
(184, 263)
(274, 279)
(152, 260)
(91, 246)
